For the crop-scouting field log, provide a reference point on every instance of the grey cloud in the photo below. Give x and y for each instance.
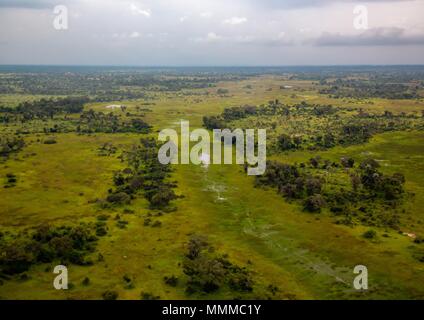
(30, 37)
(372, 37)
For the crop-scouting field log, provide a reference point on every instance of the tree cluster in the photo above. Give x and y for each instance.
(146, 174)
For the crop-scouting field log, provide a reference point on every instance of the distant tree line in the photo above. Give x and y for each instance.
(92, 121)
(43, 109)
(313, 126)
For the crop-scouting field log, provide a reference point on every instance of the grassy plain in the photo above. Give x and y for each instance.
(307, 256)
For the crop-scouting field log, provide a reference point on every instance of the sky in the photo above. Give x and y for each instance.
(212, 32)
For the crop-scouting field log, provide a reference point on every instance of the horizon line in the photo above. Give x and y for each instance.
(208, 66)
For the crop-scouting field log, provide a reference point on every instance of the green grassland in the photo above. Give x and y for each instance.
(304, 255)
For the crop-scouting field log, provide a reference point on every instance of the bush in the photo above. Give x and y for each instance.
(156, 224)
(392, 187)
(314, 203)
(11, 178)
(67, 244)
(222, 91)
(161, 197)
(347, 162)
(122, 224)
(370, 234)
(77, 257)
(195, 245)
(208, 271)
(206, 274)
(128, 281)
(118, 198)
(240, 281)
(110, 295)
(171, 281)
(62, 246)
(8, 146)
(313, 186)
(285, 142)
(86, 281)
(419, 239)
(101, 231)
(315, 161)
(213, 122)
(369, 163)
(50, 141)
(148, 296)
(102, 217)
(16, 258)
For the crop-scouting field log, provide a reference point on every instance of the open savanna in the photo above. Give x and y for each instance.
(307, 256)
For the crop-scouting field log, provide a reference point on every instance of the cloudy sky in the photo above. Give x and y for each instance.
(212, 32)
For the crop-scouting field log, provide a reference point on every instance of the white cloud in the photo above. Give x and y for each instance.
(210, 37)
(305, 30)
(244, 39)
(206, 14)
(135, 34)
(138, 11)
(125, 35)
(235, 20)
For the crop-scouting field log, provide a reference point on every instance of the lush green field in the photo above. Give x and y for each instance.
(304, 255)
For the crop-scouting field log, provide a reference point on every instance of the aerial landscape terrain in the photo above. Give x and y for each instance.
(205, 158)
(81, 185)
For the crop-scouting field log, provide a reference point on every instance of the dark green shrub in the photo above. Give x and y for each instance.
(16, 258)
(121, 224)
(50, 141)
(285, 142)
(161, 197)
(156, 224)
(103, 217)
(148, 296)
(110, 295)
(313, 186)
(171, 281)
(128, 282)
(101, 231)
(119, 198)
(347, 162)
(241, 281)
(419, 239)
(369, 234)
(314, 203)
